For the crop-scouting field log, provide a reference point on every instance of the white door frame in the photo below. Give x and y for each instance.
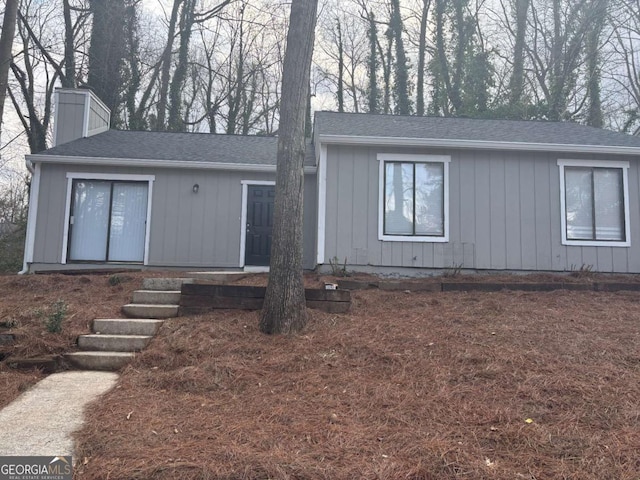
(71, 176)
(243, 219)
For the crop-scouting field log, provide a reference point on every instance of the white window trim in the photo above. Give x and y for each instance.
(562, 163)
(391, 157)
(71, 176)
(321, 180)
(243, 222)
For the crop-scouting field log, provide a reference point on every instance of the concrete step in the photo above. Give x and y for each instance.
(99, 360)
(113, 343)
(218, 277)
(164, 284)
(130, 326)
(157, 297)
(138, 310)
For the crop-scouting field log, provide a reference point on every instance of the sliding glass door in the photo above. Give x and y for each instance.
(108, 221)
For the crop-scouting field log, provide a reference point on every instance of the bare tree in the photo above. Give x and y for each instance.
(599, 16)
(34, 72)
(284, 308)
(422, 53)
(516, 82)
(341, 58)
(175, 121)
(165, 62)
(626, 70)
(6, 42)
(107, 52)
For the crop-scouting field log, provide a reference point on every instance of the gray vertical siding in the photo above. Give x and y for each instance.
(187, 229)
(69, 116)
(504, 214)
(98, 118)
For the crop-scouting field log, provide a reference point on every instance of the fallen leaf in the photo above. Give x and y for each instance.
(529, 420)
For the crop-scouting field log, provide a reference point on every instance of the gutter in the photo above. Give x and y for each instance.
(29, 165)
(475, 144)
(137, 162)
(32, 171)
(32, 217)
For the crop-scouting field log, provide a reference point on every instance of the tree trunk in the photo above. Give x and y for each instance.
(556, 101)
(387, 63)
(403, 104)
(69, 78)
(340, 68)
(441, 99)
(175, 122)
(594, 115)
(285, 308)
(166, 68)
(516, 82)
(135, 117)
(372, 64)
(455, 92)
(422, 53)
(6, 42)
(236, 87)
(106, 52)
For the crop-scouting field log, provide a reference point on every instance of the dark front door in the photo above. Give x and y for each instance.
(259, 224)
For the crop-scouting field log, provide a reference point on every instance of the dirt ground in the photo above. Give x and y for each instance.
(508, 385)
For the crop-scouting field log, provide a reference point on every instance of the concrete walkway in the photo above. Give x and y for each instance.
(41, 420)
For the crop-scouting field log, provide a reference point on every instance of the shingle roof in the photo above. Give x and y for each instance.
(482, 130)
(254, 150)
(195, 147)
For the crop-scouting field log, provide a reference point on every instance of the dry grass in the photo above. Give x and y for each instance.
(407, 386)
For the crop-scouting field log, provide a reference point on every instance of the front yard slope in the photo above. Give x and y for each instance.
(506, 385)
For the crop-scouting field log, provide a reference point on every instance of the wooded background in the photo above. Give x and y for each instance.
(216, 65)
(198, 65)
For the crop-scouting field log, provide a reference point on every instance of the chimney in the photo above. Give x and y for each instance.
(79, 113)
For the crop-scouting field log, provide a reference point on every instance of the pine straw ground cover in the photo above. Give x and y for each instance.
(508, 385)
(27, 301)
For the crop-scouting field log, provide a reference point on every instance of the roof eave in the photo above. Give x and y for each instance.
(475, 144)
(139, 162)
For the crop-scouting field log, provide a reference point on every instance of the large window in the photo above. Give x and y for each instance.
(107, 218)
(594, 203)
(414, 198)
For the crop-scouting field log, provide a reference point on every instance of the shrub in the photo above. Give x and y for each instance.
(56, 317)
(13, 225)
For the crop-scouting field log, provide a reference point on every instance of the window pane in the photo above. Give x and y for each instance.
(430, 199)
(128, 217)
(609, 204)
(90, 220)
(398, 199)
(579, 203)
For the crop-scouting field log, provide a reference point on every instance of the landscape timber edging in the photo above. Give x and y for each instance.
(412, 286)
(197, 298)
(47, 363)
